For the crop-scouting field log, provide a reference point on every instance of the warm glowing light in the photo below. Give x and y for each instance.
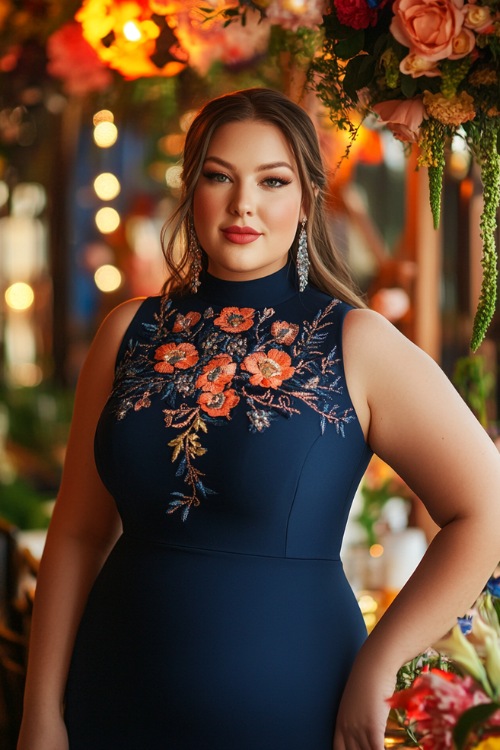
(107, 219)
(104, 115)
(173, 177)
(367, 604)
(4, 193)
(186, 119)
(19, 296)
(132, 32)
(106, 186)
(108, 278)
(376, 550)
(172, 144)
(295, 6)
(105, 134)
(26, 374)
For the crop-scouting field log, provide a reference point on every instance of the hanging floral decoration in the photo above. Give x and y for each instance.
(429, 70)
(138, 39)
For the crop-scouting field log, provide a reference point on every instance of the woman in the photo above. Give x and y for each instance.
(191, 593)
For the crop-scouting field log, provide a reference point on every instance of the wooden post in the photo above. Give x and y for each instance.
(422, 244)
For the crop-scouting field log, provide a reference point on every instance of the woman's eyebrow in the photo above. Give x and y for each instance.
(260, 168)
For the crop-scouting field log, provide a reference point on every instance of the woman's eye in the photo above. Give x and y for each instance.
(275, 182)
(216, 176)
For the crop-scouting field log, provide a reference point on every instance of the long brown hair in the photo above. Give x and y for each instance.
(328, 270)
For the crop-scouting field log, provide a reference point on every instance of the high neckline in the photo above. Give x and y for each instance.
(258, 293)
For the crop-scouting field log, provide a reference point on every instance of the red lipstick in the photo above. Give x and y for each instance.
(240, 235)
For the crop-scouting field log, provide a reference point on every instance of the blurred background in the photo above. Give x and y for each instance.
(95, 100)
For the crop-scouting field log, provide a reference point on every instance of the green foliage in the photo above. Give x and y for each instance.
(474, 384)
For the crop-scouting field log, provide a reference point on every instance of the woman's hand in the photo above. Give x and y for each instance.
(363, 711)
(52, 735)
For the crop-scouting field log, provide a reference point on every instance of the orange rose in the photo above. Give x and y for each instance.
(217, 374)
(218, 404)
(268, 370)
(175, 356)
(402, 116)
(427, 27)
(235, 319)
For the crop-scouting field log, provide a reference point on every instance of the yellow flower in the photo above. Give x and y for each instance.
(483, 77)
(453, 111)
(492, 743)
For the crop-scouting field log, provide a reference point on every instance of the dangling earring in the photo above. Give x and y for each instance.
(303, 258)
(194, 251)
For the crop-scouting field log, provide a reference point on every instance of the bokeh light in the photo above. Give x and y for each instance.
(105, 134)
(107, 186)
(108, 278)
(19, 296)
(107, 219)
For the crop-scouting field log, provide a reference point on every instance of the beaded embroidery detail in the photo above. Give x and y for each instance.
(203, 364)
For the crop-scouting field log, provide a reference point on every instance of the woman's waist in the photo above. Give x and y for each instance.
(264, 551)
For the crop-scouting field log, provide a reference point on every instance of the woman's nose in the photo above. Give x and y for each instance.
(242, 202)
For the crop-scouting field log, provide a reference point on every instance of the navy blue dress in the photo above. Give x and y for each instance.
(222, 619)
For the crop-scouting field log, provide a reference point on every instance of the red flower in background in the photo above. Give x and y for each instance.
(356, 13)
(75, 62)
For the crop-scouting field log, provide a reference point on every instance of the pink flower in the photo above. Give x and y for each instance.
(356, 13)
(207, 43)
(428, 27)
(72, 59)
(292, 16)
(403, 117)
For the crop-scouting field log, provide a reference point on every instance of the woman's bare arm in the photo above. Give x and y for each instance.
(84, 527)
(415, 420)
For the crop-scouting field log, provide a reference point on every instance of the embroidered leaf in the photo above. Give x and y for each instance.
(177, 445)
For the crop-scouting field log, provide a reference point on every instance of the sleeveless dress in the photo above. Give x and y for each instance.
(222, 619)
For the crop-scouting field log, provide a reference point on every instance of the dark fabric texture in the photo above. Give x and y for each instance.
(222, 619)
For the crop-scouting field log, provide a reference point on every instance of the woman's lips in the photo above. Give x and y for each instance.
(241, 235)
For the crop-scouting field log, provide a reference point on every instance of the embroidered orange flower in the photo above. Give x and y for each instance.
(175, 356)
(235, 319)
(268, 370)
(217, 374)
(283, 332)
(218, 404)
(185, 322)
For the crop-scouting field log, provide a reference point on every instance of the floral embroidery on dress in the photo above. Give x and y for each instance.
(213, 361)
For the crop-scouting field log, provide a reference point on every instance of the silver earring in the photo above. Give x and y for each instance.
(303, 258)
(194, 250)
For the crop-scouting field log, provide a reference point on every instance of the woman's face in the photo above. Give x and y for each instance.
(247, 203)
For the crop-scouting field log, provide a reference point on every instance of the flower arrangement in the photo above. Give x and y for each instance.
(429, 70)
(451, 700)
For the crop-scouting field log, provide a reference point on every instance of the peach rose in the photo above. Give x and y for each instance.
(463, 44)
(403, 117)
(416, 66)
(477, 17)
(427, 27)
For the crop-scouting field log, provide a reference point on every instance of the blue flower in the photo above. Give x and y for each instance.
(465, 624)
(493, 586)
